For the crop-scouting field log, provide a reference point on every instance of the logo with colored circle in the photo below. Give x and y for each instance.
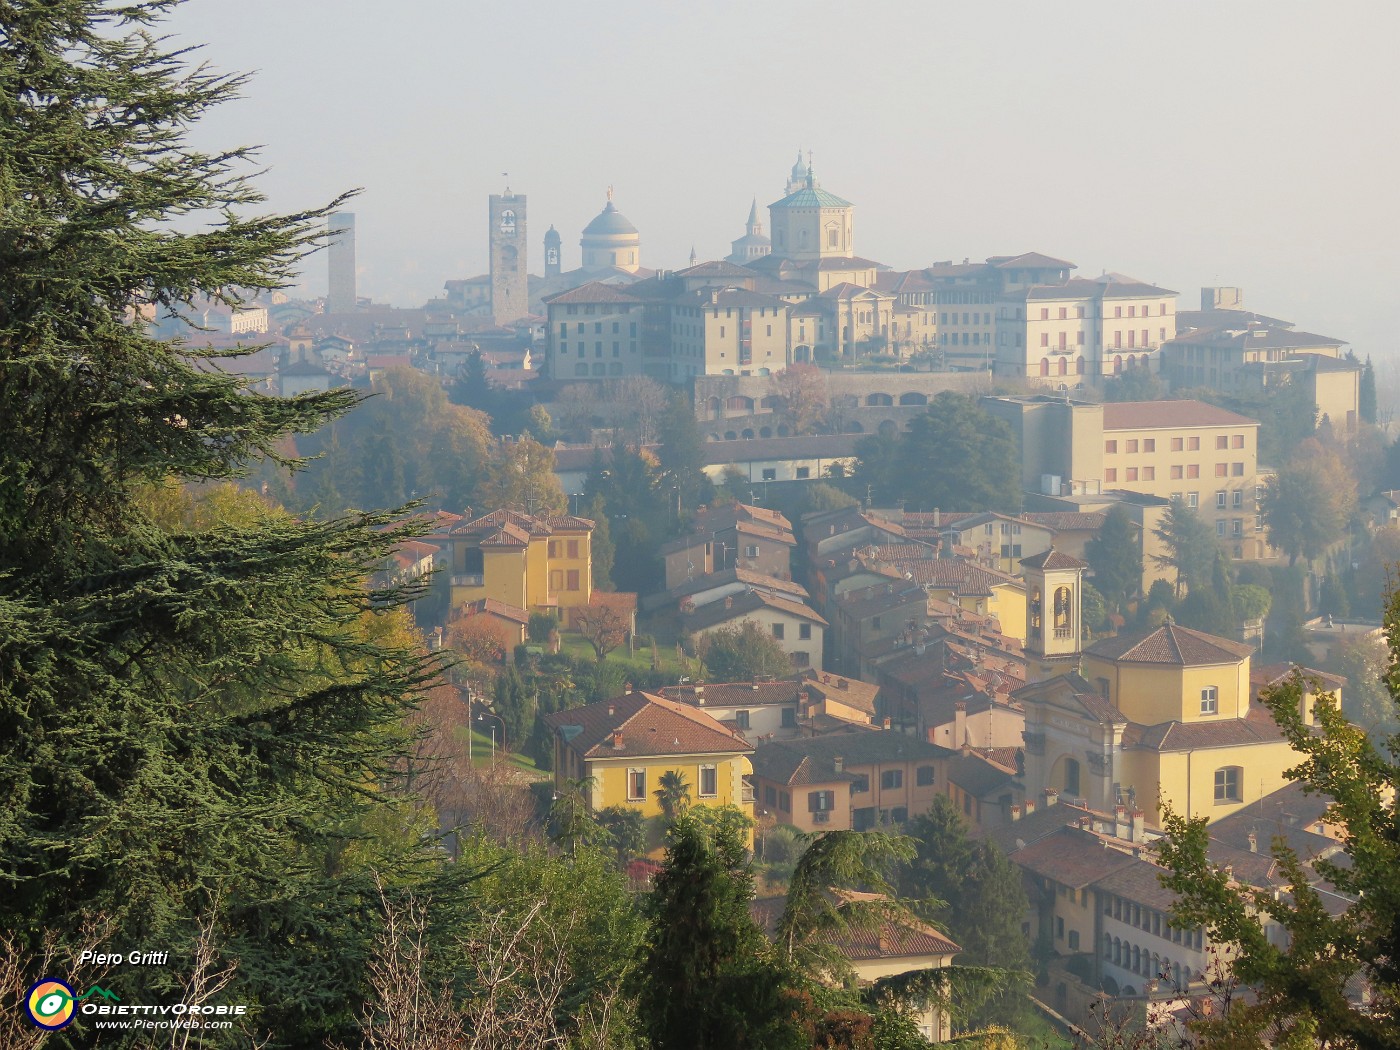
(50, 1004)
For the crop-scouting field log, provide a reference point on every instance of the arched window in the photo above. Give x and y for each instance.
(1079, 366)
(1107, 946)
(1072, 777)
(1035, 608)
(879, 399)
(1137, 959)
(1064, 608)
(1117, 952)
(1117, 364)
(913, 399)
(1045, 366)
(1064, 366)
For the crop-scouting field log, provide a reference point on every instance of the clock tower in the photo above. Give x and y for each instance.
(510, 282)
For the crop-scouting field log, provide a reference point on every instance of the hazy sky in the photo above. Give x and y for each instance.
(1187, 143)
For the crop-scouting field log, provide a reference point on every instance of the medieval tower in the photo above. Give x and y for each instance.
(510, 294)
(340, 262)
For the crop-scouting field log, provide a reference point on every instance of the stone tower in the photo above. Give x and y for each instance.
(552, 245)
(340, 263)
(1054, 627)
(510, 282)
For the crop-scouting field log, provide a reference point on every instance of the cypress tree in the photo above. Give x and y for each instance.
(195, 722)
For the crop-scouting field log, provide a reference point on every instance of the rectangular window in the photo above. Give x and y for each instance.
(1237, 441)
(572, 577)
(1193, 444)
(789, 718)
(804, 631)
(778, 631)
(1220, 501)
(1132, 445)
(1258, 523)
(1110, 446)
(1193, 470)
(573, 548)
(1149, 444)
(892, 778)
(1238, 500)
(1227, 784)
(1149, 473)
(803, 473)
(860, 785)
(1044, 338)
(1074, 940)
(556, 579)
(923, 776)
(1132, 474)
(1236, 470)
(554, 548)
(751, 550)
(1193, 500)
(1236, 526)
(741, 719)
(770, 795)
(1176, 473)
(636, 785)
(1222, 470)
(709, 782)
(821, 801)
(1220, 527)
(1110, 474)
(1176, 444)
(1210, 700)
(875, 623)
(784, 802)
(1044, 314)
(1222, 441)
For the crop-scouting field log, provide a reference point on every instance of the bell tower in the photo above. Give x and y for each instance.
(552, 243)
(1054, 626)
(510, 282)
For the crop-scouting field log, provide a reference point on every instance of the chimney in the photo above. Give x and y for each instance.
(804, 699)
(960, 725)
(1253, 842)
(700, 693)
(1139, 832)
(627, 687)
(1030, 806)
(755, 685)
(935, 517)
(885, 724)
(1051, 797)
(729, 601)
(839, 762)
(842, 683)
(1016, 812)
(617, 740)
(612, 709)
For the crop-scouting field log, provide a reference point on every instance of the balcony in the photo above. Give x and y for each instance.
(821, 816)
(470, 579)
(1064, 632)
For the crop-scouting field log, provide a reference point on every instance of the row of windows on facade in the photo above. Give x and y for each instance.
(597, 349)
(1117, 339)
(1189, 444)
(588, 309)
(708, 783)
(1185, 471)
(804, 630)
(613, 369)
(1063, 314)
(597, 328)
(1134, 958)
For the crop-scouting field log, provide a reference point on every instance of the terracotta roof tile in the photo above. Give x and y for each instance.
(649, 726)
(1172, 644)
(1071, 857)
(1146, 415)
(1052, 560)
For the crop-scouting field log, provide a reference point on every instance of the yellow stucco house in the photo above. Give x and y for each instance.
(623, 746)
(523, 561)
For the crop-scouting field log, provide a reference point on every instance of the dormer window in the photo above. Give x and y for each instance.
(1210, 700)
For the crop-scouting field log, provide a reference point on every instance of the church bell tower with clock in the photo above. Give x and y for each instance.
(510, 282)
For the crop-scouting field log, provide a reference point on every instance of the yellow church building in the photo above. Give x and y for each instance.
(1165, 718)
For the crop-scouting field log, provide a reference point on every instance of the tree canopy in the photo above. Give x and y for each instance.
(956, 454)
(741, 652)
(199, 719)
(1115, 555)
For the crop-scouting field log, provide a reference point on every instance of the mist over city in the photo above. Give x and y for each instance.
(761, 526)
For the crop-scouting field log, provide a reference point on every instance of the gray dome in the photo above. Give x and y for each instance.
(551, 236)
(610, 222)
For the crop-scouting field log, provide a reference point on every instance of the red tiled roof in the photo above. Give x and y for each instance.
(492, 607)
(1147, 415)
(592, 292)
(724, 610)
(1071, 857)
(1172, 644)
(648, 726)
(733, 694)
(1052, 560)
(1189, 736)
(1066, 520)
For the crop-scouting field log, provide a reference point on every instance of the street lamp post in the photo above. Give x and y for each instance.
(482, 716)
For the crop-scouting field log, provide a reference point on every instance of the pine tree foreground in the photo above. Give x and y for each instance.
(197, 725)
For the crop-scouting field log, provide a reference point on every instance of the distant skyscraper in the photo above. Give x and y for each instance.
(552, 261)
(340, 257)
(510, 288)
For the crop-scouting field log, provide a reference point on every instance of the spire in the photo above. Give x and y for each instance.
(692, 255)
(753, 212)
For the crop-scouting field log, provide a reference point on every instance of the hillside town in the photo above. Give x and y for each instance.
(779, 650)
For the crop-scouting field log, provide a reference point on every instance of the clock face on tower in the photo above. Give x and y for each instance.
(508, 223)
